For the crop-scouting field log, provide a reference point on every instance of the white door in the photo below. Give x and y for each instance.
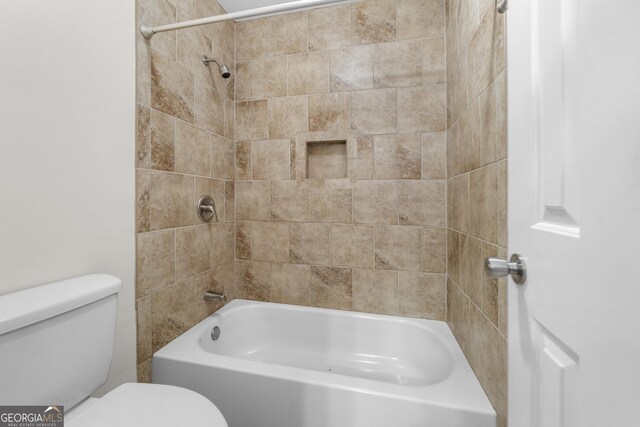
(574, 212)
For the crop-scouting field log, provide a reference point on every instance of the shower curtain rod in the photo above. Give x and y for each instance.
(148, 31)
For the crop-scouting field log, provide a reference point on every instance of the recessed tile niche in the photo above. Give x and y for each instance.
(325, 155)
(326, 159)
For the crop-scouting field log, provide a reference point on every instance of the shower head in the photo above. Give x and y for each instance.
(223, 69)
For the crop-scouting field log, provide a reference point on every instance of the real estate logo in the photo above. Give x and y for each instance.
(32, 416)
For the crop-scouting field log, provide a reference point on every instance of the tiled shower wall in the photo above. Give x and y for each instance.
(477, 189)
(185, 117)
(370, 235)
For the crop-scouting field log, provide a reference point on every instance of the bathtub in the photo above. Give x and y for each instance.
(276, 365)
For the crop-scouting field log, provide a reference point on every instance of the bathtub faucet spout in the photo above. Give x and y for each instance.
(215, 296)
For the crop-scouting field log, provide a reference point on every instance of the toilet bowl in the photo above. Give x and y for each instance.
(56, 344)
(146, 405)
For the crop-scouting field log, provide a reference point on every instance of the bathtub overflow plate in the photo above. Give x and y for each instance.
(215, 333)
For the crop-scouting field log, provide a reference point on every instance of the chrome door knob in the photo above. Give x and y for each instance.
(516, 267)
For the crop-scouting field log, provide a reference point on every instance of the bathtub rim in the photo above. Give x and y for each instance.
(187, 349)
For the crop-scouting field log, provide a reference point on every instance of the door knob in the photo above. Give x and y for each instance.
(515, 267)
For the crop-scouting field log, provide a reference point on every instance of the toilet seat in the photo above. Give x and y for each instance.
(149, 405)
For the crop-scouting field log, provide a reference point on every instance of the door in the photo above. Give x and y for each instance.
(574, 212)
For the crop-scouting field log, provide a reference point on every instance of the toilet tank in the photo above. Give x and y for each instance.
(56, 340)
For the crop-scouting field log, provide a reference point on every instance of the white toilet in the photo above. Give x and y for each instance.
(56, 343)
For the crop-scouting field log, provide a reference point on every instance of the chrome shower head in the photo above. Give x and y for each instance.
(223, 69)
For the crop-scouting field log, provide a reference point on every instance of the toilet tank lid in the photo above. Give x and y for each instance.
(24, 308)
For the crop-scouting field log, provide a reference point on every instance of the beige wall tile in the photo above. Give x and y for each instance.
(352, 246)
(290, 201)
(397, 64)
(420, 18)
(222, 243)
(434, 250)
(375, 202)
(458, 315)
(330, 205)
(171, 313)
(148, 11)
(330, 287)
(253, 200)
(454, 164)
(502, 203)
(171, 201)
(375, 291)
(270, 159)
(143, 72)
(253, 280)
(209, 108)
(143, 137)
(422, 109)
(143, 371)
(192, 251)
(143, 329)
(469, 138)
(252, 120)
(287, 34)
(422, 202)
(162, 141)
(270, 241)
(221, 157)
(329, 112)
(192, 44)
(309, 73)
(243, 161)
(373, 21)
(229, 200)
(486, 54)
(287, 116)
(243, 81)
(453, 255)
(458, 203)
(310, 243)
(422, 295)
(374, 111)
(143, 199)
(243, 234)
(156, 262)
(364, 157)
(269, 77)
(398, 248)
(330, 28)
(397, 156)
(471, 268)
(433, 61)
(351, 69)
(229, 118)
(457, 82)
(192, 149)
(252, 39)
(483, 202)
(171, 87)
(434, 156)
(290, 283)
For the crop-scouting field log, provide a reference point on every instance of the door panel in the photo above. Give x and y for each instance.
(574, 212)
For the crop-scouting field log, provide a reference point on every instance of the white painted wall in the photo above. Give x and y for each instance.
(67, 147)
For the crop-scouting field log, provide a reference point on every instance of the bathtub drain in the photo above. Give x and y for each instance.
(215, 333)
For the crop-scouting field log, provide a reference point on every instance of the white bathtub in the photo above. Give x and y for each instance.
(277, 365)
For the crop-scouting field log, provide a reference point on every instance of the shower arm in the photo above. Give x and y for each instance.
(148, 31)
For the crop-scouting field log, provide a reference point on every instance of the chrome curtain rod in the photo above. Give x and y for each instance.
(148, 31)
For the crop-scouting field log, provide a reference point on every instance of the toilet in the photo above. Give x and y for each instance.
(56, 343)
